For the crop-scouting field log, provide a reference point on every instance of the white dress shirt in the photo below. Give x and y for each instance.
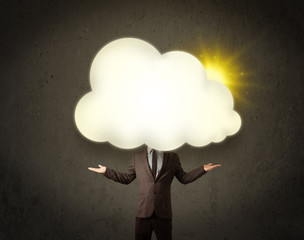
(160, 155)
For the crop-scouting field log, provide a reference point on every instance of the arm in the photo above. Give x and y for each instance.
(123, 178)
(187, 177)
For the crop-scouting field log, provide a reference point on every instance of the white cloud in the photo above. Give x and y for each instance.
(140, 96)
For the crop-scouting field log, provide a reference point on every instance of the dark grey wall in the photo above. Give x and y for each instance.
(46, 190)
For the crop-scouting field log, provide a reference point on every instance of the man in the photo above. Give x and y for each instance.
(155, 171)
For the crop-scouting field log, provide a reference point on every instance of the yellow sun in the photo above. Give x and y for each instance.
(226, 70)
(216, 74)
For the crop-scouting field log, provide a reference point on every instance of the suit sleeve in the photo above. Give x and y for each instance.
(123, 178)
(187, 177)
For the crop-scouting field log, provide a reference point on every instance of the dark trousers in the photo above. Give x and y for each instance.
(145, 226)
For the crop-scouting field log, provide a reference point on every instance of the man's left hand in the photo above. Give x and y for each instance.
(209, 166)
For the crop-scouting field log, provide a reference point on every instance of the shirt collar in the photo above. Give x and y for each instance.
(149, 149)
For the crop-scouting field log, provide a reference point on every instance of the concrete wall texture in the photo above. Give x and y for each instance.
(46, 190)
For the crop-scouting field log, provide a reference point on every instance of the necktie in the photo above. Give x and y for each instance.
(154, 163)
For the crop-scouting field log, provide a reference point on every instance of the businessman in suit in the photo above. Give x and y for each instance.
(155, 171)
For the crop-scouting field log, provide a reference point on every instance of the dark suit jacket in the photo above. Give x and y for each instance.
(154, 193)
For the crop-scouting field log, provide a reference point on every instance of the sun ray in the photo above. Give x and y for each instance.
(227, 70)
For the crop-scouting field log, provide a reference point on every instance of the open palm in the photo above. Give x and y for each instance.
(101, 169)
(209, 166)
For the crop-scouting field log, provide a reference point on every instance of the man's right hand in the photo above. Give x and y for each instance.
(101, 169)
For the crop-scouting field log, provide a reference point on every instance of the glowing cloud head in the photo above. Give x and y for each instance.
(140, 96)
